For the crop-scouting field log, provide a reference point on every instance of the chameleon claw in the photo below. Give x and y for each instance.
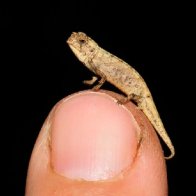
(90, 82)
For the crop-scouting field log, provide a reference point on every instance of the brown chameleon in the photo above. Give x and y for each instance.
(114, 70)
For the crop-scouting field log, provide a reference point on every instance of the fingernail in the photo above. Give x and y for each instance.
(93, 138)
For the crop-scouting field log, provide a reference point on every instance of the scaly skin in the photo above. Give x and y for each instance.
(114, 70)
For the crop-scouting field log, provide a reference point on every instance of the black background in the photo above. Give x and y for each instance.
(38, 69)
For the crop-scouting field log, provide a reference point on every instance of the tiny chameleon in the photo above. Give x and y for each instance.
(114, 70)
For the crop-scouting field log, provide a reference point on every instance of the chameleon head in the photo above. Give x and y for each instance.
(82, 46)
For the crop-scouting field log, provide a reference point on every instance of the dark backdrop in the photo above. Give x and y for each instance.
(38, 69)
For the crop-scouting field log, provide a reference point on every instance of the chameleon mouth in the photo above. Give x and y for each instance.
(75, 45)
(76, 41)
(71, 39)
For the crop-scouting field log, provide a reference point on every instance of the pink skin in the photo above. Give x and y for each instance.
(89, 145)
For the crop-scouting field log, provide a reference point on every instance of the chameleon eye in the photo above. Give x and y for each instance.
(82, 41)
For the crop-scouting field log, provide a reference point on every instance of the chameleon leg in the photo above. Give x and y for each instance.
(90, 82)
(130, 97)
(99, 73)
(125, 99)
(100, 83)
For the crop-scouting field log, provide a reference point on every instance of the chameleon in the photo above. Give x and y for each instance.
(112, 69)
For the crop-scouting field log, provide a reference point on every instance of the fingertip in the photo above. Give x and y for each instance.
(71, 152)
